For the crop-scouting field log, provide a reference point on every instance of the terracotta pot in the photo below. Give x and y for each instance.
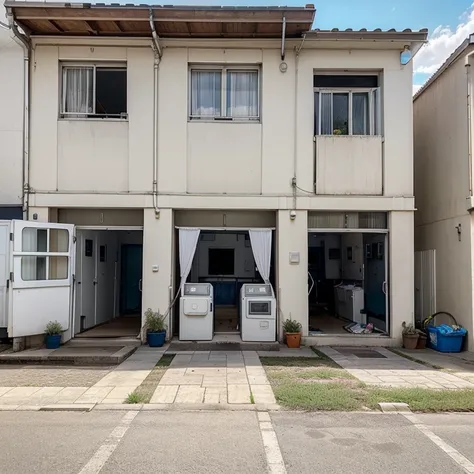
(421, 344)
(410, 341)
(293, 340)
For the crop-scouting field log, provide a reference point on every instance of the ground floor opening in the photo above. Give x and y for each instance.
(108, 299)
(347, 283)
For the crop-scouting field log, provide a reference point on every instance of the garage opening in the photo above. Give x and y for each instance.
(108, 283)
(348, 276)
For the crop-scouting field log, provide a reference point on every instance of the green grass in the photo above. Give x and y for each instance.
(320, 384)
(252, 400)
(146, 389)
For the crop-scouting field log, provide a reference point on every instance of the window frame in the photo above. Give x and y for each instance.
(113, 65)
(224, 69)
(375, 129)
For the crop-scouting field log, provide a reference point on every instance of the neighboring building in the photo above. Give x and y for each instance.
(444, 191)
(229, 120)
(11, 126)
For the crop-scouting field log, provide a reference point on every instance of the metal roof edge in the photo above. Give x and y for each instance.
(375, 35)
(453, 57)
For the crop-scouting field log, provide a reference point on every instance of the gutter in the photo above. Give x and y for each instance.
(469, 114)
(25, 43)
(158, 53)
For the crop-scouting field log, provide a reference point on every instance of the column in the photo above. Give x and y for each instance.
(292, 276)
(401, 265)
(157, 262)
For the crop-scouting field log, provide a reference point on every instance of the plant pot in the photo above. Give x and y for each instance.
(157, 333)
(156, 339)
(293, 340)
(53, 341)
(410, 341)
(421, 344)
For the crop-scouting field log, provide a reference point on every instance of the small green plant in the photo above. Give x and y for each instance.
(154, 321)
(409, 329)
(134, 398)
(53, 328)
(252, 400)
(290, 326)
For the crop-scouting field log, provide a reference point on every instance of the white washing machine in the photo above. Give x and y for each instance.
(257, 313)
(196, 314)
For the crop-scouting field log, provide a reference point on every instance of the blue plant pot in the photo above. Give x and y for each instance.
(53, 342)
(156, 339)
(149, 333)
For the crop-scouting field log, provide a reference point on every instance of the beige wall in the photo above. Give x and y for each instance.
(441, 189)
(11, 120)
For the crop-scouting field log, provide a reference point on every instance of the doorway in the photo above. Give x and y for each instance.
(108, 286)
(347, 283)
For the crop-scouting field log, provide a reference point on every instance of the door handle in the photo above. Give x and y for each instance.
(384, 287)
(140, 285)
(94, 281)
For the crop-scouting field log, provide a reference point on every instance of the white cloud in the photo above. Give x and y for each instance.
(442, 42)
(416, 88)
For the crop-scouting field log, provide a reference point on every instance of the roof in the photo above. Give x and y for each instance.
(455, 55)
(79, 19)
(372, 35)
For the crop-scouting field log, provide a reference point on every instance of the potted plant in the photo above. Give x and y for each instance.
(292, 330)
(53, 333)
(156, 328)
(410, 336)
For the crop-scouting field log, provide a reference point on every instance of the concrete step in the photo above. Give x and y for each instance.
(181, 346)
(103, 342)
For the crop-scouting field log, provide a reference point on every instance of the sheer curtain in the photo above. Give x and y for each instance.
(242, 94)
(360, 113)
(206, 93)
(188, 240)
(261, 241)
(78, 90)
(326, 113)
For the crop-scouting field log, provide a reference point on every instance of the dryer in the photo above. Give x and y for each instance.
(257, 313)
(196, 313)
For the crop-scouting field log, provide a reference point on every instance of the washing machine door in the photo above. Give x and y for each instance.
(196, 306)
(259, 309)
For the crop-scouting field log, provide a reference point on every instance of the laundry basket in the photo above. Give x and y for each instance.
(439, 339)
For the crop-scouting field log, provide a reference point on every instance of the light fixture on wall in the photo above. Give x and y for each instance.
(292, 215)
(283, 67)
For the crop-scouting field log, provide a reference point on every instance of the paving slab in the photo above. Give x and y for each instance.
(190, 394)
(165, 394)
(238, 393)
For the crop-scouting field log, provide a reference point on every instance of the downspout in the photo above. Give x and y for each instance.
(469, 118)
(24, 42)
(158, 53)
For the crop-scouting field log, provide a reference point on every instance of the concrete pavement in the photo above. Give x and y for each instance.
(235, 442)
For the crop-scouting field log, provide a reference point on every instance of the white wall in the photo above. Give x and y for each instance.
(11, 120)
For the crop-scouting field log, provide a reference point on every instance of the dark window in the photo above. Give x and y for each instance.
(89, 246)
(103, 253)
(111, 91)
(345, 81)
(221, 261)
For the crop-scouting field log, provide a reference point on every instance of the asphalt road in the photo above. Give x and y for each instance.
(231, 442)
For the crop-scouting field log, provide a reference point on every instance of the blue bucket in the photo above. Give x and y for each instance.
(53, 341)
(156, 339)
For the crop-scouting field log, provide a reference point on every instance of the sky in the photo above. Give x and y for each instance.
(449, 21)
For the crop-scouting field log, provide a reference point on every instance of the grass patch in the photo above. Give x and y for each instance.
(147, 388)
(320, 384)
(252, 400)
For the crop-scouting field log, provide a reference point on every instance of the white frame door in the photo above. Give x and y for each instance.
(42, 283)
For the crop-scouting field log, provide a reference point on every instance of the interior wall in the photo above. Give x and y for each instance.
(331, 242)
(352, 255)
(244, 264)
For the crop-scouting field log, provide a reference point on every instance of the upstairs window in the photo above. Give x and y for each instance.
(220, 93)
(350, 107)
(94, 91)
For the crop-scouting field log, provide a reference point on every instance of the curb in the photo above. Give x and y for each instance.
(394, 408)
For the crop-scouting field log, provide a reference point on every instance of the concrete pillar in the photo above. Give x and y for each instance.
(401, 282)
(41, 213)
(157, 262)
(292, 278)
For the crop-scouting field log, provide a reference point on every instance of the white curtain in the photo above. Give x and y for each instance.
(78, 86)
(360, 113)
(242, 94)
(206, 93)
(188, 240)
(261, 240)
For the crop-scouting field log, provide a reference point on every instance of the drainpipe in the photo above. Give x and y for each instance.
(469, 116)
(158, 53)
(24, 41)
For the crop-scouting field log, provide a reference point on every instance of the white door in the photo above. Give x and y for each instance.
(87, 280)
(42, 283)
(4, 271)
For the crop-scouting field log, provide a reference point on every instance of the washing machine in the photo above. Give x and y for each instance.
(196, 313)
(257, 313)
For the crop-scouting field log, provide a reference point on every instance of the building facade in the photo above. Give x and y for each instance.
(444, 193)
(223, 120)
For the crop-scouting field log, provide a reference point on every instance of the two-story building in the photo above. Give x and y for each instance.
(222, 145)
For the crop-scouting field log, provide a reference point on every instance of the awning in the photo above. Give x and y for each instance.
(85, 19)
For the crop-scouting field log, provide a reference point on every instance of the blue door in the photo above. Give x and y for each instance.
(131, 279)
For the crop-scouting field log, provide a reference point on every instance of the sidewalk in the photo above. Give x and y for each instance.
(105, 385)
(383, 368)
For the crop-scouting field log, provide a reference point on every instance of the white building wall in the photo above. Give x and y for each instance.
(11, 120)
(441, 189)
